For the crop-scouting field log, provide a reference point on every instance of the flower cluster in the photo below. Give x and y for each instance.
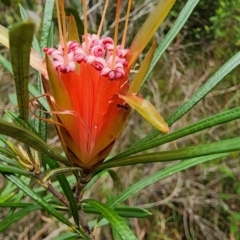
(93, 50)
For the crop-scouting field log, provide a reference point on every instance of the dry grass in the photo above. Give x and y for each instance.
(196, 204)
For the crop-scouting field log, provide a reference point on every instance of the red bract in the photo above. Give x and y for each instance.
(88, 85)
(91, 96)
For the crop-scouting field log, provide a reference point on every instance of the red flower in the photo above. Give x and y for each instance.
(88, 85)
(85, 92)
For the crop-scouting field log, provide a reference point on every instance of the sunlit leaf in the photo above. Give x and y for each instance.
(147, 110)
(139, 76)
(73, 30)
(116, 221)
(4, 36)
(148, 29)
(195, 98)
(173, 32)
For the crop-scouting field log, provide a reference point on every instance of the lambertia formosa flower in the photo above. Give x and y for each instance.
(88, 83)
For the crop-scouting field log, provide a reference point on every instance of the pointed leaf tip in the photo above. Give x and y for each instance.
(138, 80)
(147, 110)
(148, 29)
(20, 42)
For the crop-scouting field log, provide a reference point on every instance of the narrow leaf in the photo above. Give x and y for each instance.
(139, 77)
(6, 64)
(73, 30)
(224, 146)
(46, 23)
(20, 122)
(148, 29)
(20, 39)
(57, 171)
(174, 30)
(197, 96)
(36, 61)
(12, 169)
(4, 36)
(135, 188)
(66, 189)
(38, 199)
(35, 43)
(66, 236)
(27, 137)
(36, 93)
(117, 223)
(147, 110)
(214, 120)
(126, 211)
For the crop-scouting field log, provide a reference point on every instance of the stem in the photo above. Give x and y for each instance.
(59, 23)
(103, 18)
(126, 24)
(59, 196)
(85, 23)
(80, 184)
(116, 32)
(64, 32)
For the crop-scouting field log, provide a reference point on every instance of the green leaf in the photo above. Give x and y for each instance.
(39, 124)
(59, 170)
(20, 41)
(7, 221)
(12, 169)
(66, 236)
(5, 63)
(115, 234)
(33, 141)
(36, 94)
(175, 28)
(38, 199)
(117, 222)
(223, 146)
(20, 122)
(214, 120)
(197, 96)
(168, 171)
(9, 161)
(46, 23)
(146, 110)
(148, 29)
(35, 43)
(123, 211)
(15, 204)
(8, 153)
(66, 189)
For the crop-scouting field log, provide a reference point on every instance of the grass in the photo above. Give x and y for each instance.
(200, 203)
